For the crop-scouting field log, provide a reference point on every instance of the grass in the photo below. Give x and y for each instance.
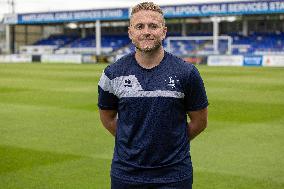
(51, 136)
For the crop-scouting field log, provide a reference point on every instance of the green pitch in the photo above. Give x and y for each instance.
(51, 136)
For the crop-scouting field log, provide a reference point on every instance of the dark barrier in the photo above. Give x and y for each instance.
(97, 59)
(195, 59)
(36, 58)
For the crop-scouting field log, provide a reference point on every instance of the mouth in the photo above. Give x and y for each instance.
(147, 40)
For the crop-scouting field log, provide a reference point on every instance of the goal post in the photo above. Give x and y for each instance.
(195, 44)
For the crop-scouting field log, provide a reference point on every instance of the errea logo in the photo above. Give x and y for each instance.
(127, 83)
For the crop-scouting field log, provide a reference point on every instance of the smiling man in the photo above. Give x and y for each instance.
(144, 100)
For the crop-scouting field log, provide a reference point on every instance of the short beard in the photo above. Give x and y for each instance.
(148, 49)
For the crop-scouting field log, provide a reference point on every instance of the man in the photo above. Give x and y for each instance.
(144, 100)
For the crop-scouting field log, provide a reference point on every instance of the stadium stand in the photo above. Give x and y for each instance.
(110, 42)
(259, 43)
(113, 42)
(255, 43)
(57, 40)
(248, 28)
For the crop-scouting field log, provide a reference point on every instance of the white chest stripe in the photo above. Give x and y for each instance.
(157, 93)
(105, 83)
(129, 86)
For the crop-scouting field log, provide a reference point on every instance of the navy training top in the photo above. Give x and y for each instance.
(151, 142)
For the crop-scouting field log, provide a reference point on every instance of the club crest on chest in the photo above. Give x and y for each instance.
(172, 81)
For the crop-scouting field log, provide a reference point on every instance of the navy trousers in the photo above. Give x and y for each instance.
(118, 184)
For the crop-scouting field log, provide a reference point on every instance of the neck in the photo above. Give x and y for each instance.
(151, 59)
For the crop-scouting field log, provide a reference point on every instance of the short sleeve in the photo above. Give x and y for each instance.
(106, 98)
(195, 95)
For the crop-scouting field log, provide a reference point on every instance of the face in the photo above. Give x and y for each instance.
(147, 30)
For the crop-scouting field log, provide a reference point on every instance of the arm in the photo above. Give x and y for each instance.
(109, 120)
(198, 122)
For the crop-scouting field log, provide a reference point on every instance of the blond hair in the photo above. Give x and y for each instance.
(147, 6)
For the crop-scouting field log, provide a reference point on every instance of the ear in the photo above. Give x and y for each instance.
(129, 32)
(165, 29)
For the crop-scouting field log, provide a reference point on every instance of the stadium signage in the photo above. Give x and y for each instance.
(178, 11)
(15, 58)
(235, 8)
(11, 19)
(225, 60)
(273, 60)
(62, 58)
(252, 60)
(73, 16)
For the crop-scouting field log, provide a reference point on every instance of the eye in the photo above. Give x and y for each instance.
(138, 26)
(153, 26)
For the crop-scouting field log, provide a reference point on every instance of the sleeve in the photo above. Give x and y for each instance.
(106, 98)
(195, 94)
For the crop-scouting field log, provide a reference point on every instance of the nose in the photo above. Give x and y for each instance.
(146, 30)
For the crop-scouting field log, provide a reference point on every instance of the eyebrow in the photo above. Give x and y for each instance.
(141, 23)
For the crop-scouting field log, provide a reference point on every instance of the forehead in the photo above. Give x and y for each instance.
(146, 16)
